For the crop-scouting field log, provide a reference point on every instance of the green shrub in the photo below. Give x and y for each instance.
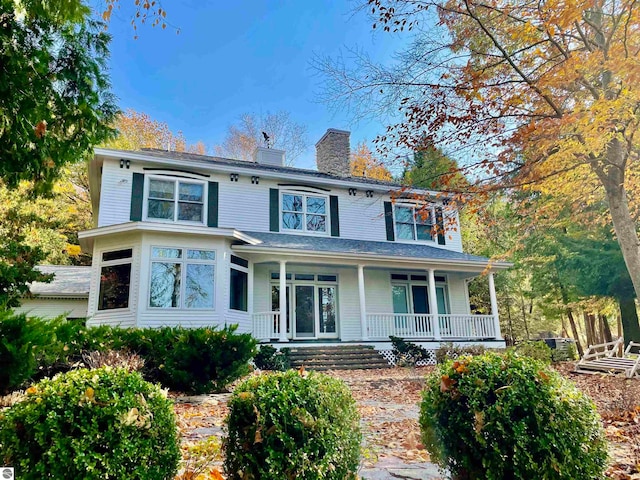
(197, 360)
(496, 417)
(91, 424)
(449, 351)
(192, 360)
(536, 349)
(21, 343)
(270, 358)
(292, 425)
(407, 353)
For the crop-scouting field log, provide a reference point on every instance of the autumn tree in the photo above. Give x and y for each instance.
(283, 133)
(541, 95)
(364, 164)
(137, 130)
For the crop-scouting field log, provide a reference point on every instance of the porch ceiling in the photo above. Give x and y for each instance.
(332, 249)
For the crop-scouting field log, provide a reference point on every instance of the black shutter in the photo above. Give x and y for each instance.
(440, 226)
(274, 210)
(335, 219)
(388, 220)
(212, 205)
(137, 193)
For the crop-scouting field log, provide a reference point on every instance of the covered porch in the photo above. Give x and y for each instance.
(339, 297)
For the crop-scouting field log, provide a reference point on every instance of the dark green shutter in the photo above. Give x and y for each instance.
(274, 210)
(137, 194)
(388, 220)
(212, 205)
(440, 224)
(335, 219)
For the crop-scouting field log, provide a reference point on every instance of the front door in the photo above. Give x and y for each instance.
(304, 312)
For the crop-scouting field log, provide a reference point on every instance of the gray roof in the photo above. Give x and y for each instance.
(344, 245)
(69, 281)
(162, 154)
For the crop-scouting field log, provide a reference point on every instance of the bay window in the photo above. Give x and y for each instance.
(115, 279)
(182, 278)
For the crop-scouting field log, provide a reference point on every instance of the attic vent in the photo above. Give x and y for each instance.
(269, 156)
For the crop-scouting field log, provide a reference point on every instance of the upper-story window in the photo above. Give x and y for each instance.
(305, 213)
(414, 222)
(175, 200)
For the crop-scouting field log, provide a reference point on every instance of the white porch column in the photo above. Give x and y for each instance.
(250, 281)
(283, 302)
(494, 305)
(433, 304)
(363, 307)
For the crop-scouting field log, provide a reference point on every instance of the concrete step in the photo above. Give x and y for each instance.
(337, 358)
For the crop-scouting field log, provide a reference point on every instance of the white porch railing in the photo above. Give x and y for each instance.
(383, 325)
(467, 326)
(407, 325)
(266, 325)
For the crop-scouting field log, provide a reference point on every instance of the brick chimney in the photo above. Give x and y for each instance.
(333, 154)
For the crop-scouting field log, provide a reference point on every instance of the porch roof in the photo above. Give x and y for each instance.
(284, 242)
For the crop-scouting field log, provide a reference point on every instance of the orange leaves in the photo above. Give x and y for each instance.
(40, 128)
(446, 383)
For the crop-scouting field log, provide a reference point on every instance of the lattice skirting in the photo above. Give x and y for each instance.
(391, 358)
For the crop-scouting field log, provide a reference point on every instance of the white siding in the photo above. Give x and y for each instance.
(243, 205)
(361, 218)
(115, 194)
(378, 291)
(458, 294)
(54, 307)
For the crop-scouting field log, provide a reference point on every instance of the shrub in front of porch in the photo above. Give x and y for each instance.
(292, 425)
(508, 417)
(91, 424)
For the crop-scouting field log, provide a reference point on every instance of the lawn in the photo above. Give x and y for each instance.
(388, 403)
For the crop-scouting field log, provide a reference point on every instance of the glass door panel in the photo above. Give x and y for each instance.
(304, 311)
(443, 301)
(400, 304)
(420, 298)
(327, 310)
(275, 305)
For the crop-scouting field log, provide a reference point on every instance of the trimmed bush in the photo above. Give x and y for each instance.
(91, 424)
(292, 425)
(536, 349)
(192, 360)
(496, 417)
(270, 358)
(449, 351)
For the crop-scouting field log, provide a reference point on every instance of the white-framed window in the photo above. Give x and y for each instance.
(304, 212)
(410, 293)
(175, 199)
(239, 284)
(414, 222)
(115, 279)
(182, 278)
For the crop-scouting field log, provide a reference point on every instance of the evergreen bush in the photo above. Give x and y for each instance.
(494, 417)
(91, 424)
(292, 425)
(270, 358)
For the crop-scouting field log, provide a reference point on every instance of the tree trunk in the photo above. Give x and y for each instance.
(612, 177)
(524, 316)
(606, 328)
(574, 329)
(629, 316)
(588, 328)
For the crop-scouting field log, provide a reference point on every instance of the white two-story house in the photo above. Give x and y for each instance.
(290, 255)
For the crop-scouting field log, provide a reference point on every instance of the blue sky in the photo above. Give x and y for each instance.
(236, 57)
